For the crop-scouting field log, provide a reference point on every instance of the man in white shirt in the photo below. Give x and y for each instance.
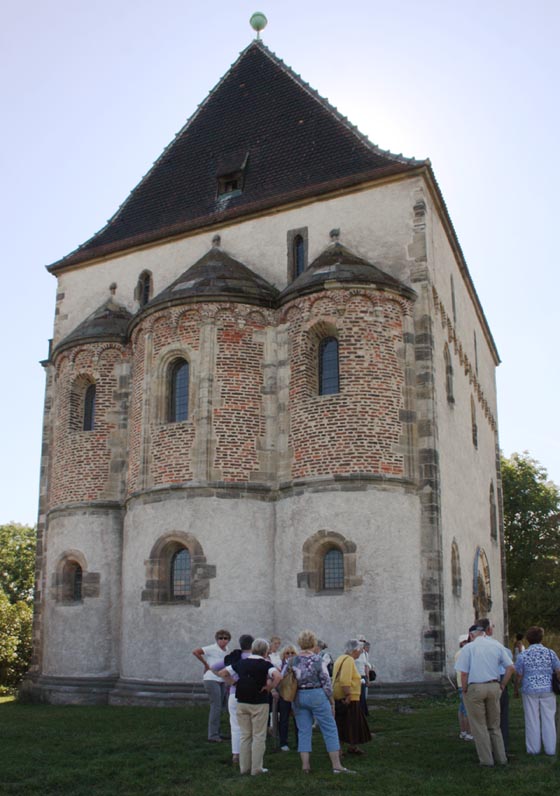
(480, 663)
(213, 684)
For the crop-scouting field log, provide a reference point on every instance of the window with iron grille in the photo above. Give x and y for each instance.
(328, 366)
(89, 408)
(333, 570)
(180, 585)
(178, 391)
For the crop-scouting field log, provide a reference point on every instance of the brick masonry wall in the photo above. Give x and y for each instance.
(358, 430)
(229, 431)
(238, 420)
(88, 465)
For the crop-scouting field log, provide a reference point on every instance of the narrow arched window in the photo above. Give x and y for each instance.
(455, 570)
(333, 570)
(448, 375)
(475, 353)
(473, 424)
(178, 391)
(328, 366)
(89, 408)
(144, 288)
(299, 255)
(493, 514)
(72, 582)
(180, 572)
(453, 304)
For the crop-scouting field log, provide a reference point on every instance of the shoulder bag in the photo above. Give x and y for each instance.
(287, 687)
(340, 706)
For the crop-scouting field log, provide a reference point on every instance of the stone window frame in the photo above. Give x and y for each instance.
(322, 363)
(292, 235)
(493, 507)
(157, 589)
(482, 588)
(63, 585)
(448, 375)
(173, 391)
(319, 331)
(453, 301)
(144, 288)
(456, 579)
(474, 426)
(161, 384)
(314, 550)
(78, 394)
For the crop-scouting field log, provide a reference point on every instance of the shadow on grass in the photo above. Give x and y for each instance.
(102, 751)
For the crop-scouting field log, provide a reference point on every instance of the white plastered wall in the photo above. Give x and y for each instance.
(81, 639)
(374, 223)
(237, 538)
(465, 507)
(387, 607)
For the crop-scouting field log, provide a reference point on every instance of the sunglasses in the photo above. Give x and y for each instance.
(223, 638)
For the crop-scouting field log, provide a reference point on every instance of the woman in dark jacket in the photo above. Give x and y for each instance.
(254, 678)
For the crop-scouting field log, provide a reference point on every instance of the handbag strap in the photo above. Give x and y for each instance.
(338, 670)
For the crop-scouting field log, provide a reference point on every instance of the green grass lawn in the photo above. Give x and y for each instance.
(135, 751)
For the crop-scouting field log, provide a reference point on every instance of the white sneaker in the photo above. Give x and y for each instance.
(462, 735)
(262, 771)
(284, 748)
(343, 771)
(468, 737)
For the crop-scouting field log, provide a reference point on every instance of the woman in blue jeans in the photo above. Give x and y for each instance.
(314, 701)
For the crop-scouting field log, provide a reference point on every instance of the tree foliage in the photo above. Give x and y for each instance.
(17, 561)
(15, 640)
(532, 543)
(17, 567)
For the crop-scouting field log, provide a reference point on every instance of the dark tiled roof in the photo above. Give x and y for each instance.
(338, 264)
(108, 322)
(261, 114)
(217, 276)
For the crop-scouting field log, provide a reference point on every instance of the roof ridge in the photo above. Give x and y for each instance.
(167, 147)
(359, 142)
(332, 109)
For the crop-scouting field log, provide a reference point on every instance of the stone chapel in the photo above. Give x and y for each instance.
(270, 405)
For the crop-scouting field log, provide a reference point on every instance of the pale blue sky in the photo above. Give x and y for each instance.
(91, 93)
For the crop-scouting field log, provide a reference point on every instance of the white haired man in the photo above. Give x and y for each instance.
(480, 664)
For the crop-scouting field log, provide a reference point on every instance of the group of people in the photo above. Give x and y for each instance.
(328, 695)
(484, 668)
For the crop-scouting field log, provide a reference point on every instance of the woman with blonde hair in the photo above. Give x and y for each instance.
(284, 707)
(314, 701)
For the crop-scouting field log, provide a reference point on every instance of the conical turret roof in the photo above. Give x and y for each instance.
(218, 277)
(262, 123)
(338, 264)
(108, 322)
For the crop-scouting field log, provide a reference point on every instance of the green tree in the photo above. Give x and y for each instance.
(17, 567)
(532, 543)
(17, 561)
(15, 640)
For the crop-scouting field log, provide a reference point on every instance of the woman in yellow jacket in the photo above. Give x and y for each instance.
(351, 723)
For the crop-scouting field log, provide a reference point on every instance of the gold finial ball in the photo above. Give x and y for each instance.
(258, 21)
